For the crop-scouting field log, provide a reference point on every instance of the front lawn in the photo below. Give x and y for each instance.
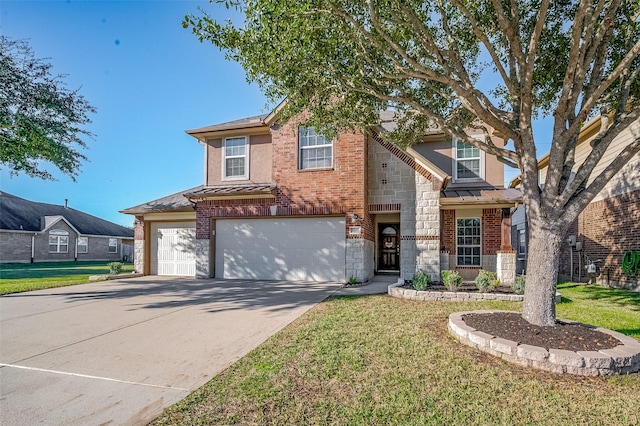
(381, 360)
(610, 308)
(19, 277)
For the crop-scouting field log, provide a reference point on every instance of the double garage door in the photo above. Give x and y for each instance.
(305, 249)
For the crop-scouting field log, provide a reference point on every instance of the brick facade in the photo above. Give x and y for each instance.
(17, 247)
(370, 182)
(607, 229)
(491, 231)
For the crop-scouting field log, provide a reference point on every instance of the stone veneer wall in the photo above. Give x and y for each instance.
(392, 181)
(506, 266)
(202, 259)
(360, 259)
(138, 256)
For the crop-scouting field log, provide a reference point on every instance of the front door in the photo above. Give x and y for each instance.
(388, 247)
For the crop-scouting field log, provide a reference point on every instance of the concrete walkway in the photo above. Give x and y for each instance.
(378, 285)
(119, 352)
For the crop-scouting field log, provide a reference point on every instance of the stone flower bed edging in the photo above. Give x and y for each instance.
(396, 290)
(623, 359)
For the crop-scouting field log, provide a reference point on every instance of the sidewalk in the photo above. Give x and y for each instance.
(378, 285)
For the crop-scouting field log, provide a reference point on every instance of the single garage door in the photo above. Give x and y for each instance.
(173, 248)
(307, 249)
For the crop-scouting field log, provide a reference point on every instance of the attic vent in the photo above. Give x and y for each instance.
(384, 165)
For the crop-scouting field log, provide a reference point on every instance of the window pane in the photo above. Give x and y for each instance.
(315, 151)
(234, 147)
(235, 166)
(468, 242)
(83, 244)
(468, 169)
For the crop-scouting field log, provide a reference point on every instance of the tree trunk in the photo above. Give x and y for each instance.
(542, 273)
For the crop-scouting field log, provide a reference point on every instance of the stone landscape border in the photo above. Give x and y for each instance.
(396, 290)
(623, 359)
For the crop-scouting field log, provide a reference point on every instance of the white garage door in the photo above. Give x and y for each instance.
(173, 248)
(308, 249)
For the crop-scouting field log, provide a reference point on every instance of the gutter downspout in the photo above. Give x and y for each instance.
(33, 247)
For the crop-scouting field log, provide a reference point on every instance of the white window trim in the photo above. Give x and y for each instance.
(245, 176)
(58, 233)
(86, 246)
(301, 148)
(454, 148)
(464, 245)
(109, 245)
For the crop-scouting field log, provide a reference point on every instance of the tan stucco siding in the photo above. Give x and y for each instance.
(260, 164)
(440, 153)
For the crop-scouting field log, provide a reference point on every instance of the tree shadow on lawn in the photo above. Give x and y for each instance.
(624, 298)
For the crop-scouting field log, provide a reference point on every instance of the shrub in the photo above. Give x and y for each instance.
(451, 279)
(518, 284)
(421, 280)
(352, 280)
(486, 280)
(115, 268)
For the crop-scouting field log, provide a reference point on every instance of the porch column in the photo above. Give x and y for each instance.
(505, 241)
(506, 257)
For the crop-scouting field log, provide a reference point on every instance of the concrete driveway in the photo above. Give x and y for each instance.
(119, 352)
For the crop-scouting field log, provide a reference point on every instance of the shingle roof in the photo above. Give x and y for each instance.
(171, 203)
(256, 120)
(19, 214)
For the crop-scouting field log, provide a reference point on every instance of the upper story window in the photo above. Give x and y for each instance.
(113, 245)
(58, 241)
(83, 244)
(235, 161)
(315, 152)
(469, 162)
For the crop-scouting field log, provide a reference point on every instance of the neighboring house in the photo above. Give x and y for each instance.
(280, 201)
(40, 232)
(608, 227)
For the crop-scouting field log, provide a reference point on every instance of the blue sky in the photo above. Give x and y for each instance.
(149, 79)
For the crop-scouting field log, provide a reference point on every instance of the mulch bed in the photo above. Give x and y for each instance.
(571, 337)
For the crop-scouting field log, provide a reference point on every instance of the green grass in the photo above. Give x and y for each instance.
(19, 277)
(610, 308)
(379, 360)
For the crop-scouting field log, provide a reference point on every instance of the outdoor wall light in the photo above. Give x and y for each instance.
(354, 217)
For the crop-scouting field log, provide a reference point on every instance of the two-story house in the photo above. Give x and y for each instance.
(280, 201)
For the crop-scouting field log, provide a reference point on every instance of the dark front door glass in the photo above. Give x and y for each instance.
(389, 247)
